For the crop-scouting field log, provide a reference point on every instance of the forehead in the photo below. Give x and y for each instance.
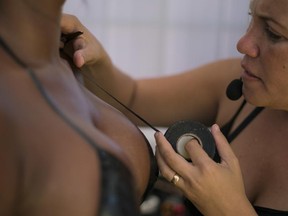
(276, 10)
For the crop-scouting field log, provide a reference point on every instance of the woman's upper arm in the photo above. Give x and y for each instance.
(195, 94)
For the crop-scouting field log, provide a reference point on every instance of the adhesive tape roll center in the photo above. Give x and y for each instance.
(182, 132)
(183, 140)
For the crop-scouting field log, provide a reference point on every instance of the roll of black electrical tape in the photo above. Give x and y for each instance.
(183, 131)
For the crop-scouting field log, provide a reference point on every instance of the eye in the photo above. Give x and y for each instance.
(250, 15)
(272, 35)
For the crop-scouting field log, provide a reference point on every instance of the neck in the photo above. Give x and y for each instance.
(31, 28)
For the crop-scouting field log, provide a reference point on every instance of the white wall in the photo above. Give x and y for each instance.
(154, 37)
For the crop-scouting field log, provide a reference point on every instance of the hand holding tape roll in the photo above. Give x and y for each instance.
(180, 133)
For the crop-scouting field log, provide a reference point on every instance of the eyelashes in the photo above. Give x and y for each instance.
(273, 36)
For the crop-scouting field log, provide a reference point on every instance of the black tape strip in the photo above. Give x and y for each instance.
(181, 132)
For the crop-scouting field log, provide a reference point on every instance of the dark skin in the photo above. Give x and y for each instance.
(46, 167)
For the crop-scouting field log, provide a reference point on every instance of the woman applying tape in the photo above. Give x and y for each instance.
(260, 149)
(63, 151)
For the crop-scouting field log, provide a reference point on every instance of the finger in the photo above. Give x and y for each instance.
(166, 172)
(70, 23)
(80, 42)
(225, 151)
(82, 57)
(196, 152)
(173, 160)
(79, 59)
(86, 49)
(69, 44)
(76, 50)
(79, 53)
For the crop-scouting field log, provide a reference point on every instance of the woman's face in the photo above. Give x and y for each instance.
(265, 49)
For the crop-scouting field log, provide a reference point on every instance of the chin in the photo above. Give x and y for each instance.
(254, 99)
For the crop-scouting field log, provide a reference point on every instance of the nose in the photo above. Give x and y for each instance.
(247, 44)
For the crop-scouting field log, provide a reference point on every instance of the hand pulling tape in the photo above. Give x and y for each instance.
(180, 133)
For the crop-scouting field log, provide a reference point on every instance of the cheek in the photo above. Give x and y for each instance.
(278, 81)
(284, 70)
(275, 77)
(285, 65)
(276, 66)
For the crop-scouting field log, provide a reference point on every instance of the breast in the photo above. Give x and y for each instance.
(130, 139)
(262, 152)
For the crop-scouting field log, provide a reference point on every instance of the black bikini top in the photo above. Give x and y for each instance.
(117, 198)
(226, 129)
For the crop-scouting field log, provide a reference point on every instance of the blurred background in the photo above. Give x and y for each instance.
(148, 38)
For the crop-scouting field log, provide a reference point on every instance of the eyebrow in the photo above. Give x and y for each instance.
(251, 4)
(268, 18)
(264, 17)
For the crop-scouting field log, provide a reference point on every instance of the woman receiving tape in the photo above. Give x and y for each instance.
(63, 151)
(260, 150)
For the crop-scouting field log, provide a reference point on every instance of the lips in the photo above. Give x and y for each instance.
(248, 74)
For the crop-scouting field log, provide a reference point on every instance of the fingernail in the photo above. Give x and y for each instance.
(216, 127)
(157, 134)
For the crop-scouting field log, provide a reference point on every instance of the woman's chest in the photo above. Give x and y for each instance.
(262, 150)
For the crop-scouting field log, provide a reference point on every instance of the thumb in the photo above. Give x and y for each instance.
(78, 59)
(225, 151)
